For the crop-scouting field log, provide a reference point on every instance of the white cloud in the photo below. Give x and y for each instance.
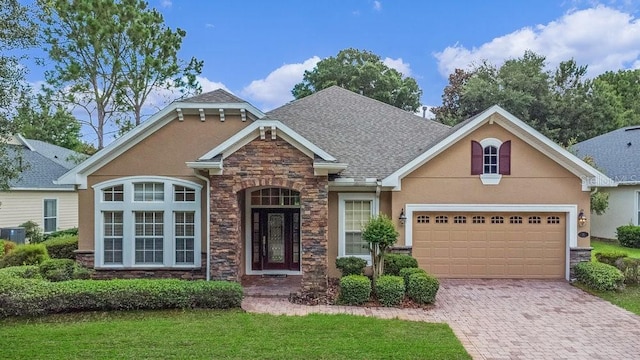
(166, 3)
(601, 37)
(399, 65)
(275, 89)
(377, 5)
(209, 26)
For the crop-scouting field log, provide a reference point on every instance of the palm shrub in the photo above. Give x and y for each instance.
(26, 254)
(351, 265)
(381, 234)
(599, 276)
(354, 289)
(393, 263)
(423, 288)
(390, 290)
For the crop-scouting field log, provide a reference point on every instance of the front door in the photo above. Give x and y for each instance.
(275, 239)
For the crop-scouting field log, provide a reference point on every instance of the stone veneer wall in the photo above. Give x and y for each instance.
(271, 163)
(578, 255)
(86, 259)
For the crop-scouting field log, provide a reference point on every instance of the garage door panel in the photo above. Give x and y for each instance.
(514, 248)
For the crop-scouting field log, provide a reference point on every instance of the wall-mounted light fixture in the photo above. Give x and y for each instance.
(403, 217)
(582, 218)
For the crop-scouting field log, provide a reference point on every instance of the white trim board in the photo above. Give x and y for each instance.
(571, 212)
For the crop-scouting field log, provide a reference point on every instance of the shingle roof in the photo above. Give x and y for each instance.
(372, 137)
(617, 153)
(215, 96)
(43, 165)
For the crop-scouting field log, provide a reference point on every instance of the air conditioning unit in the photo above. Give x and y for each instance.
(15, 234)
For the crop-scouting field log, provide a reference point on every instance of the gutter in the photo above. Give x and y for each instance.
(206, 180)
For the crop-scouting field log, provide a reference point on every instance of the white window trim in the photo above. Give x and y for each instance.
(636, 216)
(491, 179)
(571, 221)
(44, 217)
(128, 207)
(342, 198)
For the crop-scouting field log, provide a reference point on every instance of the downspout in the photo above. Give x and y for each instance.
(206, 180)
(378, 190)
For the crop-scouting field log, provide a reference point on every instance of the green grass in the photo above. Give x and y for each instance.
(207, 334)
(601, 246)
(628, 299)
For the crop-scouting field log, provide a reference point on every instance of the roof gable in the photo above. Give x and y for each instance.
(589, 175)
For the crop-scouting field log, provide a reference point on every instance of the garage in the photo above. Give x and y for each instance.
(490, 245)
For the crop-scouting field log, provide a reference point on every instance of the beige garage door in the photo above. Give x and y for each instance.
(490, 245)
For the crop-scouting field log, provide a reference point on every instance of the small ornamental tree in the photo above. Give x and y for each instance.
(381, 234)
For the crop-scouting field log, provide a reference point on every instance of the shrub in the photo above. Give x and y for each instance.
(20, 297)
(55, 234)
(406, 272)
(24, 272)
(58, 269)
(6, 247)
(354, 289)
(380, 233)
(351, 265)
(62, 247)
(32, 232)
(423, 288)
(390, 290)
(393, 263)
(610, 257)
(27, 254)
(599, 276)
(629, 236)
(630, 268)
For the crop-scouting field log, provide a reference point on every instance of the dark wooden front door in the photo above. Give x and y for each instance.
(275, 239)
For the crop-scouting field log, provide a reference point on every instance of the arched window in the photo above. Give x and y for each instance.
(147, 222)
(490, 158)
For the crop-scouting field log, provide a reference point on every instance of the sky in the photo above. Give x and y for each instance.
(259, 49)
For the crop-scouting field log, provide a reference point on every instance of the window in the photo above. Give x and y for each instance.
(478, 219)
(442, 219)
(50, 215)
(490, 158)
(515, 220)
(534, 220)
(553, 220)
(459, 219)
(147, 222)
(422, 219)
(275, 196)
(354, 212)
(497, 220)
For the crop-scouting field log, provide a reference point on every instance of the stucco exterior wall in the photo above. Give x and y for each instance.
(534, 179)
(18, 207)
(623, 210)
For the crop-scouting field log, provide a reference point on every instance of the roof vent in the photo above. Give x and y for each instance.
(629, 144)
(632, 128)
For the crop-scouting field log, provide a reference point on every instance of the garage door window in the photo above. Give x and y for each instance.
(442, 219)
(553, 220)
(355, 210)
(478, 219)
(497, 220)
(515, 220)
(422, 219)
(459, 219)
(534, 219)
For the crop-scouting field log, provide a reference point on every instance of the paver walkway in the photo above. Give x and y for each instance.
(509, 319)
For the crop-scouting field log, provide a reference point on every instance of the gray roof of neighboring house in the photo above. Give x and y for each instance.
(616, 153)
(44, 164)
(215, 96)
(373, 138)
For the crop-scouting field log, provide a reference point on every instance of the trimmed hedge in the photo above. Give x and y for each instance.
(390, 290)
(354, 289)
(393, 263)
(351, 265)
(599, 276)
(20, 297)
(610, 257)
(630, 268)
(629, 236)
(27, 254)
(62, 247)
(58, 269)
(406, 272)
(24, 272)
(423, 288)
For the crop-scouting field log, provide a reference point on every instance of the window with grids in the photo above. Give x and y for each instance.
(148, 191)
(442, 219)
(459, 219)
(183, 194)
(515, 220)
(149, 237)
(553, 220)
(50, 215)
(422, 219)
(356, 215)
(478, 220)
(490, 160)
(184, 237)
(114, 193)
(497, 220)
(534, 220)
(113, 234)
(275, 196)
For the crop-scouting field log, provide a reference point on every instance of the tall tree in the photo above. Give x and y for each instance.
(449, 112)
(37, 117)
(109, 55)
(17, 32)
(363, 72)
(625, 84)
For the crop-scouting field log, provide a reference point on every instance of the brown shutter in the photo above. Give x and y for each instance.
(476, 158)
(505, 158)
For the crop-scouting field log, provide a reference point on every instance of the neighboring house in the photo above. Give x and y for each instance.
(34, 196)
(212, 187)
(617, 154)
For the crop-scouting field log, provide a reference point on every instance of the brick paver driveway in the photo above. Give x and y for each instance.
(511, 319)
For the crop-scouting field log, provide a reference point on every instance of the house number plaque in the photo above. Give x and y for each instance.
(583, 234)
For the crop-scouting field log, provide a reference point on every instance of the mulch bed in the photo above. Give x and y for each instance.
(333, 292)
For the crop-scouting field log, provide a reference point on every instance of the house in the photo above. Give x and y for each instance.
(33, 196)
(212, 187)
(617, 153)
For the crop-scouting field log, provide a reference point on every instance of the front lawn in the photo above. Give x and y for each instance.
(604, 246)
(628, 298)
(210, 334)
